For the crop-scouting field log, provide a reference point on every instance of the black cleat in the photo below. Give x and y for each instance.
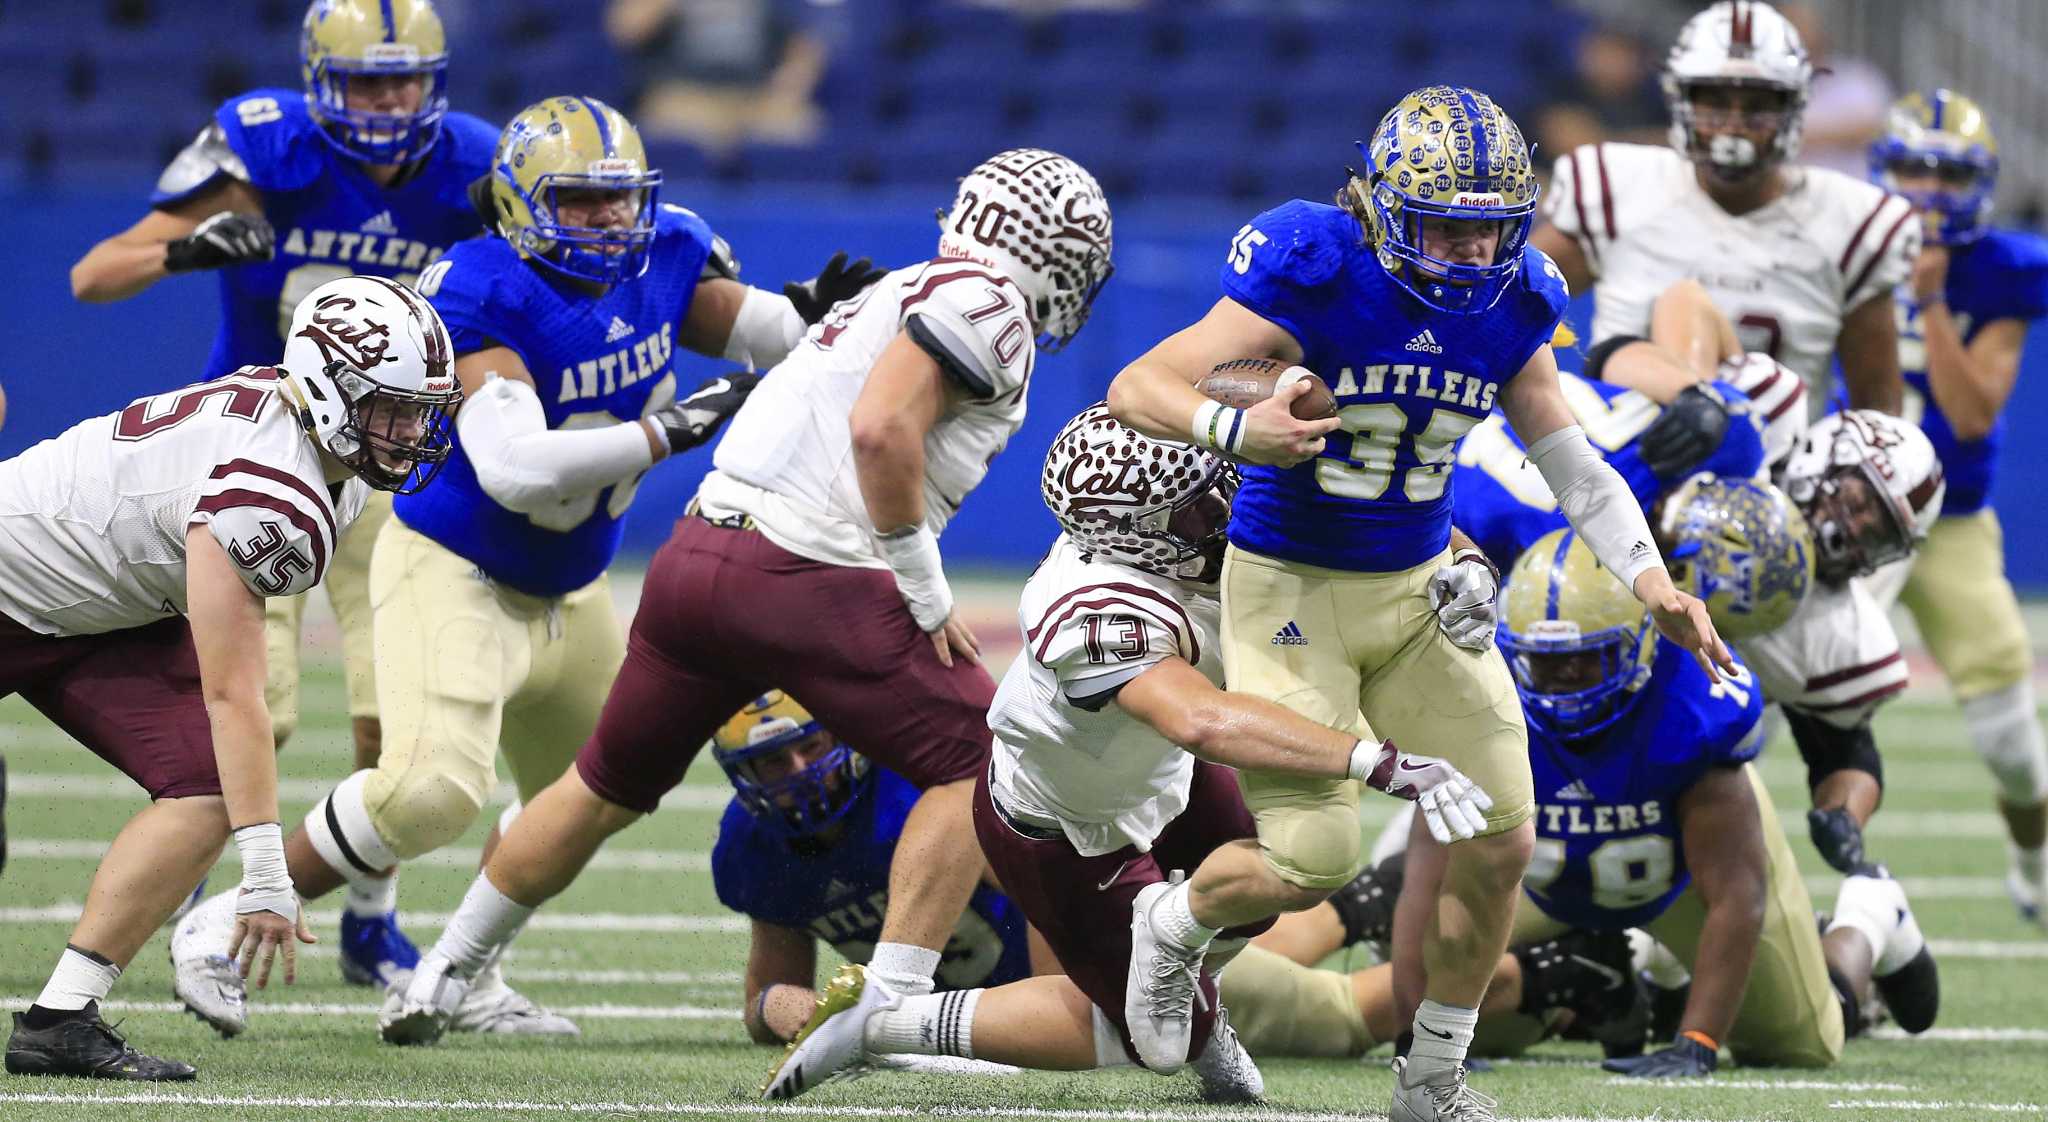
(1913, 992)
(1365, 906)
(83, 1045)
(1591, 974)
(1838, 838)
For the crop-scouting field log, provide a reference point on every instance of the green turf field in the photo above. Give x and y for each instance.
(639, 952)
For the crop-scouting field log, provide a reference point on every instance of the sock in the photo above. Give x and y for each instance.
(1443, 1034)
(904, 967)
(1652, 958)
(1875, 907)
(372, 897)
(485, 923)
(932, 1024)
(1172, 918)
(81, 978)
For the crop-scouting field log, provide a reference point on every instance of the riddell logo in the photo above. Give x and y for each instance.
(1493, 199)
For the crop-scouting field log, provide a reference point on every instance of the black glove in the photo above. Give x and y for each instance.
(227, 238)
(696, 418)
(1687, 432)
(1685, 1059)
(835, 282)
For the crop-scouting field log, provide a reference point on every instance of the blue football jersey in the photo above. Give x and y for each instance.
(331, 220)
(1409, 382)
(1505, 506)
(2003, 275)
(840, 892)
(595, 360)
(1609, 853)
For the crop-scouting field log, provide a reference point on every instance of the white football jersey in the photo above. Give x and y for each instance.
(1064, 751)
(787, 456)
(93, 522)
(1836, 658)
(1785, 274)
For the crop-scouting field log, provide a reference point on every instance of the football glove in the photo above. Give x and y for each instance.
(1452, 805)
(227, 238)
(696, 418)
(837, 281)
(1686, 433)
(1466, 593)
(1686, 1058)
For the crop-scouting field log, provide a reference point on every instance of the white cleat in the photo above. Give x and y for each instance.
(1438, 1102)
(203, 977)
(492, 1006)
(2029, 894)
(420, 1009)
(833, 1045)
(1227, 1072)
(1160, 988)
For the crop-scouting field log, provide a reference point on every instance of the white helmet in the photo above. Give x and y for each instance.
(1870, 486)
(1741, 43)
(1041, 220)
(1777, 400)
(1156, 505)
(371, 370)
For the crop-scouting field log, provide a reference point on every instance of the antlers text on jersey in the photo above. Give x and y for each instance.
(1428, 383)
(647, 357)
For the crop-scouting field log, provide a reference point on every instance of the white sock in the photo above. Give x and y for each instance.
(932, 1024)
(482, 927)
(1443, 1034)
(1172, 918)
(2031, 864)
(371, 897)
(905, 968)
(81, 978)
(1875, 907)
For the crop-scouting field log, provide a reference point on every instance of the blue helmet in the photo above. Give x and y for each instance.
(1445, 152)
(1580, 644)
(804, 801)
(1944, 134)
(344, 40)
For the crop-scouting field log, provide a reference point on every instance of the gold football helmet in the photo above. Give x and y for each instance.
(1579, 642)
(345, 41)
(573, 143)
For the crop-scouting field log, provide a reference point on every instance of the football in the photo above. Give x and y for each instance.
(1243, 383)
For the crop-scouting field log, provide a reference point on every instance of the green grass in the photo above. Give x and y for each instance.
(696, 1060)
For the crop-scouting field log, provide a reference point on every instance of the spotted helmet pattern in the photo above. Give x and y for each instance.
(1124, 496)
(1040, 219)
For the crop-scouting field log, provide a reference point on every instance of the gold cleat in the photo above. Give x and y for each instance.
(800, 1068)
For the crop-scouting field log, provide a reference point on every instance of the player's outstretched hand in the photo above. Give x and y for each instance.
(953, 638)
(837, 281)
(1453, 806)
(1686, 1058)
(695, 419)
(259, 935)
(1466, 594)
(1274, 436)
(1683, 619)
(228, 238)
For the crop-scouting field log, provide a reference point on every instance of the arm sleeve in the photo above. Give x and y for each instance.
(1598, 503)
(525, 466)
(975, 326)
(1097, 639)
(764, 330)
(272, 525)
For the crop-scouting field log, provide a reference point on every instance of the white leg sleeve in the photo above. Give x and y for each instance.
(340, 829)
(2007, 733)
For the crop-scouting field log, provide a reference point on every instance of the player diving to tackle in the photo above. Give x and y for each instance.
(495, 629)
(1963, 319)
(828, 498)
(1419, 302)
(135, 552)
(363, 170)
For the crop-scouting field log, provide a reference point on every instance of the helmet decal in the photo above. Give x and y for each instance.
(1042, 220)
(1155, 505)
(1742, 547)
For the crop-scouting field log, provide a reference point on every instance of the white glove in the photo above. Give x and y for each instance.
(1466, 595)
(1453, 805)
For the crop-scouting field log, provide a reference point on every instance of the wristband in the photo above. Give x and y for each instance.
(912, 554)
(1366, 757)
(1701, 1039)
(1471, 553)
(266, 883)
(1218, 427)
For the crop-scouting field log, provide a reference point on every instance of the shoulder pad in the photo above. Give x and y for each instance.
(1878, 249)
(1297, 244)
(974, 324)
(276, 138)
(472, 143)
(277, 528)
(1100, 635)
(680, 230)
(197, 165)
(721, 262)
(475, 289)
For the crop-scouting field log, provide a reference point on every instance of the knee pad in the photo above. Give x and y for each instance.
(423, 809)
(341, 831)
(2006, 732)
(1312, 847)
(1828, 748)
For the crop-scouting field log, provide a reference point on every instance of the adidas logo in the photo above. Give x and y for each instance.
(1575, 792)
(1425, 342)
(381, 223)
(1290, 636)
(619, 330)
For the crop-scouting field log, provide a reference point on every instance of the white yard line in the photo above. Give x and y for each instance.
(1934, 1104)
(66, 911)
(1973, 1035)
(448, 857)
(111, 786)
(600, 1011)
(1716, 1085)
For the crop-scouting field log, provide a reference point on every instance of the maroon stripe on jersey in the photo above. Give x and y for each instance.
(1579, 202)
(969, 270)
(1106, 601)
(1606, 192)
(265, 471)
(1863, 275)
(1856, 238)
(1829, 681)
(1187, 626)
(1859, 701)
(264, 500)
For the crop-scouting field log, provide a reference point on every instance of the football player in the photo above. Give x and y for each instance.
(363, 170)
(494, 624)
(828, 498)
(1963, 319)
(1418, 301)
(1802, 261)
(135, 552)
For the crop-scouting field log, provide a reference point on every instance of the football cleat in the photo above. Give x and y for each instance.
(1160, 987)
(81, 1044)
(420, 1010)
(374, 952)
(197, 898)
(1226, 1070)
(1590, 973)
(203, 977)
(1365, 906)
(1838, 838)
(2029, 894)
(1904, 970)
(832, 1045)
(1438, 1102)
(492, 1006)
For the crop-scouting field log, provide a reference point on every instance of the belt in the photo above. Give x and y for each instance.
(1031, 830)
(729, 522)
